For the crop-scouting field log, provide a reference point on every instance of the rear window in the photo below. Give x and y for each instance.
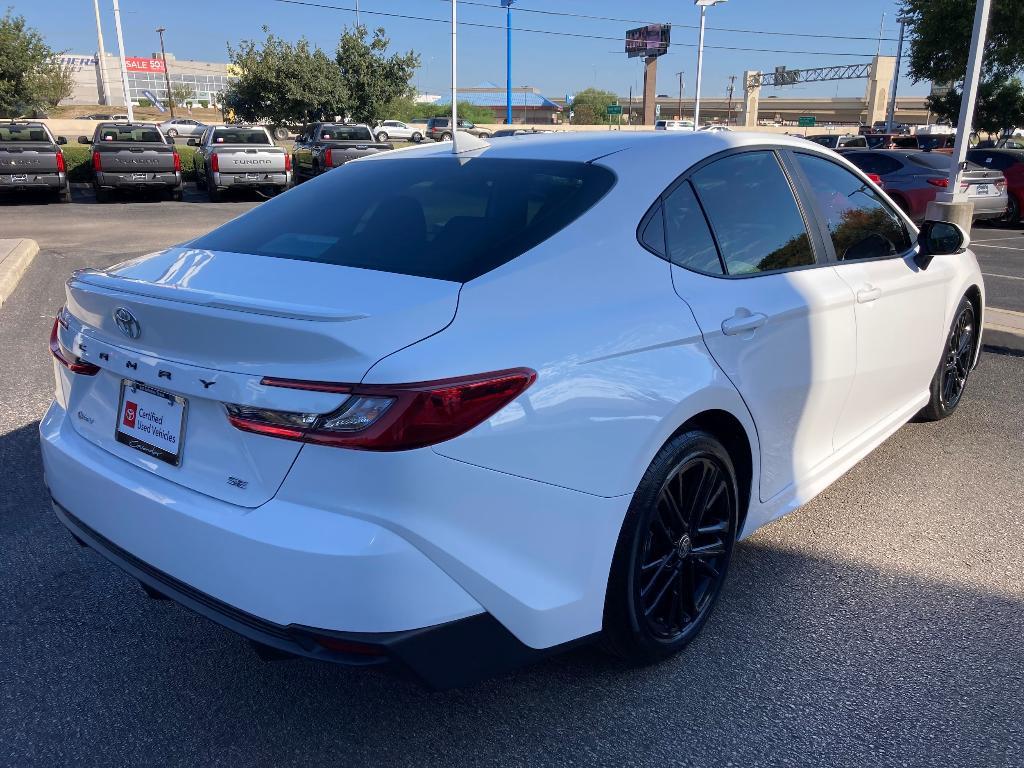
(129, 133)
(931, 161)
(825, 140)
(440, 217)
(345, 133)
(240, 136)
(12, 133)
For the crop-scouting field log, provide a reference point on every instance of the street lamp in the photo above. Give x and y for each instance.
(680, 110)
(167, 77)
(703, 5)
(507, 5)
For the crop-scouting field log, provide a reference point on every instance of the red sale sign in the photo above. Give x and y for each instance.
(136, 64)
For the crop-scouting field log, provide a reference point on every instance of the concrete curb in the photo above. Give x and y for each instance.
(15, 256)
(1004, 320)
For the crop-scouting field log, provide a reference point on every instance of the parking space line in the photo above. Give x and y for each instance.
(998, 239)
(1008, 277)
(1000, 247)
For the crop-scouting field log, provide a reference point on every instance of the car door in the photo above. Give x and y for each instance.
(900, 308)
(774, 315)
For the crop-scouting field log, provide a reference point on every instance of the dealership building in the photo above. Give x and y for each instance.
(207, 80)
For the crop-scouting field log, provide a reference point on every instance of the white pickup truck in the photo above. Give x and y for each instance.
(241, 157)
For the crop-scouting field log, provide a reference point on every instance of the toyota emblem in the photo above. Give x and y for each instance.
(126, 323)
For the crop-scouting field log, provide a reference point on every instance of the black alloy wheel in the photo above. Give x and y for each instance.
(959, 353)
(674, 550)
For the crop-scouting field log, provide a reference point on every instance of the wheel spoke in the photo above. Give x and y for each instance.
(720, 527)
(709, 550)
(654, 579)
(702, 495)
(657, 599)
(673, 507)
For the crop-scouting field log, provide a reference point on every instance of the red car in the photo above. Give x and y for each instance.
(1011, 163)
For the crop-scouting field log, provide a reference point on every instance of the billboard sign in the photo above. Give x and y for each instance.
(652, 40)
(137, 64)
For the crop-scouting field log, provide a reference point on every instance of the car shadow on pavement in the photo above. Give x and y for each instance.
(806, 660)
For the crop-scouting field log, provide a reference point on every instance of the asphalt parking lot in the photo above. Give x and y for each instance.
(879, 625)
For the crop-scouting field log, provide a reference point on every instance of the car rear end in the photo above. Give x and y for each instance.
(340, 144)
(986, 188)
(133, 156)
(248, 158)
(30, 160)
(926, 174)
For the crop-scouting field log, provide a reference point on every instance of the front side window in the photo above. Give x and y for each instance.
(754, 215)
(437, 217)
(860, 224)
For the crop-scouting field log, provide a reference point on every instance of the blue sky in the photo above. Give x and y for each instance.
(555, 64)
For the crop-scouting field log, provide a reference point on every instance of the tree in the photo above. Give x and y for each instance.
(279, 82)
(181, 94)
(31, 73)
(373, 80)
(590, 106)
(939, 31)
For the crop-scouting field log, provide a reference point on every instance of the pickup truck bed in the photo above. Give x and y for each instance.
(242, 157)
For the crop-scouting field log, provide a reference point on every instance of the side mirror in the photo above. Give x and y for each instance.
(62, 140)
(84, 140)
(192, 143)
(939, 238)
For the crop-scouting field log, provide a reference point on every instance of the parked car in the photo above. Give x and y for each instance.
(104, 116)
(133, 157)
(323, 146)
(241, 157)
(182, 126)
(396, 129)
(716, 128)
(32, 161)
(440, 129)
(937, 142)
(673, 125)
(390, 457)
(1011, 142)
(503, 132)
(891, 141)
(913, 179)
(837, 140)
(1010, 163)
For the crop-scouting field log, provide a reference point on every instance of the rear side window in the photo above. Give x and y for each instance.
(687, 236)
(861, 225)
(440, 217)
(754, 215)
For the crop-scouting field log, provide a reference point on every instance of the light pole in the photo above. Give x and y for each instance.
(167, 75)
(680, 76)
(507, 5)
(124, 65)
(104, 91)
(703, 5)
(891, 116)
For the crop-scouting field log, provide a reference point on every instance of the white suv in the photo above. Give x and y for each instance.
(673, 125)
(391, 130)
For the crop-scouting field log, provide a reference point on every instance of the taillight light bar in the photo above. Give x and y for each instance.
(177, 161)
(328, 157)
(65, 357)
(875, 178)
(378, 417)
(96, 166)
(287, 162)
(61, 167)
(214, 163)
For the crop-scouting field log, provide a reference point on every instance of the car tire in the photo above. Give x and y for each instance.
(212, 193)
(1012, 217)
(673, 551)
(416, 137)
(64, 195)
(280, 133)
(446, 136)
(950, 379)
(177, 195)
(484, 135)
(382, 137)
(171, 133)
(102, 195)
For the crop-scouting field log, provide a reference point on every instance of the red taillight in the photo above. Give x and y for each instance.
(943, 182)
(61, 167)
(390, 418)
(328, 157)
(287, 162)
(96, 161)
(214, 163)
(177, 162)
(875, 178)
(65, 358)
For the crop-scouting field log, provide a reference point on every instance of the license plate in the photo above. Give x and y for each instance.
(151, 421)
(253, 176)
(981, 190)
(19, 177)
(139, 177)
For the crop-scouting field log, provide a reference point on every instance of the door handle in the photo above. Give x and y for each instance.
(743, 323)
(868, 293)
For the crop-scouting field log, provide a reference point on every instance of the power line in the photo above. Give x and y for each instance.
(311, 4)
(520, 9)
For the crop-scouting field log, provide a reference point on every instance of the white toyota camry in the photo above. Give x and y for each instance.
(450, 412)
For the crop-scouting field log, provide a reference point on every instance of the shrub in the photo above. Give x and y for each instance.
(145, 103)
(204, 103)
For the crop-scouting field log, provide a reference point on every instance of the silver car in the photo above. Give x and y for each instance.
(390, 130)
(182, 126)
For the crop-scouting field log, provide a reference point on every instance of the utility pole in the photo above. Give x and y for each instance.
(167, 75)
(357, 13)
(124, 65)
(732, 83)
(680, 110)
(896, 77)
(881, 31)
(703, 5)
(104, 91)
(508, 65)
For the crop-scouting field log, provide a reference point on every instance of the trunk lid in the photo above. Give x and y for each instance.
(247, 159)
(124, 157)
(209, 326)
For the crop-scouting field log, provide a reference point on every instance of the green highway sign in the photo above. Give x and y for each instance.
(807, 121)
(614, 109)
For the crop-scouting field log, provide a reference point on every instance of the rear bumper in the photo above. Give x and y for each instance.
(50, 181)
(108, 180)
(242, 179)
(993, 207)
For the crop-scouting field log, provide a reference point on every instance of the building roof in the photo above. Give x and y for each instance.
(490, 95)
